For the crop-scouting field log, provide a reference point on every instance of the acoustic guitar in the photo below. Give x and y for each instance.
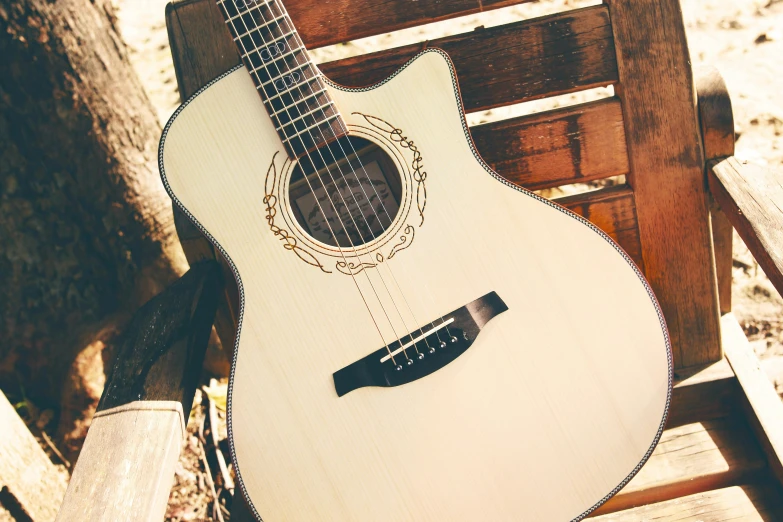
(419, 339)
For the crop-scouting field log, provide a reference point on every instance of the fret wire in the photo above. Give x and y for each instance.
(305, 115)
(286, 55)
(313, 126)
(284, 73)
(307, 62)
(273, 42)
(298, 85)
(240, 12)
(259, 27)
(316, 93)
(305, 87)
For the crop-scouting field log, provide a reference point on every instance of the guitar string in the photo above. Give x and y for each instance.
(317, 74)
(317, 78)
(286, 18)
(334, 207)
(318, 203)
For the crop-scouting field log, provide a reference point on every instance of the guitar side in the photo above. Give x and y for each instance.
(556, 404)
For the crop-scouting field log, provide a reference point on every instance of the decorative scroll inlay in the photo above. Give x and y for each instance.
(396, 135)
(350, 261)
(404, 241)
(290, 242)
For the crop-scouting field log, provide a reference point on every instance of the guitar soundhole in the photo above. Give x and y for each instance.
(347, 193)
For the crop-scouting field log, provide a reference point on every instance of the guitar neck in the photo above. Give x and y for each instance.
(290, 84)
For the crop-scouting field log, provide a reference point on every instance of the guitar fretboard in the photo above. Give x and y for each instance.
(290, 84)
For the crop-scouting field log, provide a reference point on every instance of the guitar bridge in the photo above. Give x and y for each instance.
(423, 351)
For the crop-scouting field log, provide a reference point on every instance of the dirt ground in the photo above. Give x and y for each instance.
(743, 38)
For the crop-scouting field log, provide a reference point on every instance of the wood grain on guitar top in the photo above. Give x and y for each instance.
(556, 403)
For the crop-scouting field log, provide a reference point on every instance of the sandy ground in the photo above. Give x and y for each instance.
(742, 38)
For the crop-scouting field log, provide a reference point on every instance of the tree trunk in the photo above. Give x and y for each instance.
(86, 229)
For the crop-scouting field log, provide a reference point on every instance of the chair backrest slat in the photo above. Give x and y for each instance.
(613, 210)
(570, 145)
(336, 21)
(508, 64)
(201, 44)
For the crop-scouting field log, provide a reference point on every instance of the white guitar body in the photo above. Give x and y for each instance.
(554, 407)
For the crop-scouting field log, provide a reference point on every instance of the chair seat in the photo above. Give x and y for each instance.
(708, 466)
(749, 503)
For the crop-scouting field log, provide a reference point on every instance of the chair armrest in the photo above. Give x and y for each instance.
(751, 197)
(126, 466)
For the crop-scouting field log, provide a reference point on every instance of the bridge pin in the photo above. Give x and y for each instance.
(421, 356)
(410, 362)
(398, 367)
(443, 344)
(453, 339)
(432, 350)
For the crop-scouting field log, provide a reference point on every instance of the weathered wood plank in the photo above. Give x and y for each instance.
(752, 199)
(746, 503)
(127, 464)
(762, 404)
(128, 459)
(667, 172)
(336, 21)
(30, 485)
(325, 23)
(717, 132)
(200, 43)
(497, 66)
(570, 145)
(691, 459)
(163, 340)
(509, 63)
(612, 210)
(703, 393)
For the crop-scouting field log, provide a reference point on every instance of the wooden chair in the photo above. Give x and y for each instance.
(670, 135)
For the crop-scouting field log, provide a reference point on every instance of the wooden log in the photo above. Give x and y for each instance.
(667, 172)
(752, 199)
(762, 404)
(570, 145)
(30, 485)
(127, 462)
(747, 503)
(612, 210)
(510, 63)
(717, 131)
(85, 222)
